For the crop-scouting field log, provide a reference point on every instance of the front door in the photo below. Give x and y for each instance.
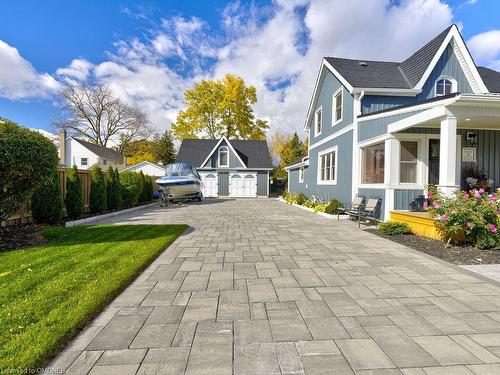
(433, 161)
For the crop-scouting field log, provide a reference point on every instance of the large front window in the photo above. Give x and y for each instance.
(327, 166)
(372, 171)
(223, 157)
(408, 162)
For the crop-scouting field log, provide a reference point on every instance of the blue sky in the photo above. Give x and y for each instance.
(148, 52)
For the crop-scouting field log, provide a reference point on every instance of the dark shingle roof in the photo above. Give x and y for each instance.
(389, 74)
(491, 78)
(297, 161)
(415, 65)
(101, 151)
(370, 74)
(255, 154)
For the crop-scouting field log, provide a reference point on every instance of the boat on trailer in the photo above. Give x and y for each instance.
(181, 182)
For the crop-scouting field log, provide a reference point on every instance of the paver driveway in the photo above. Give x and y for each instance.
(259, 287)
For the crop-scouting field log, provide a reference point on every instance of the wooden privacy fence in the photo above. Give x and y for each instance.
(23, 215)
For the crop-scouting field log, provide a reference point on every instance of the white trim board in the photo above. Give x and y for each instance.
(336, 166)
(337, 134)
(244, 166)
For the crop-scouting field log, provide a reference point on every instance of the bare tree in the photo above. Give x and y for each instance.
(95, 113)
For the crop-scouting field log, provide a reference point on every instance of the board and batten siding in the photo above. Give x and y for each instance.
(328, 87)
(262, 183)
(223, 180)
(447, 64)
(213, 162)
(402, 198)
(374, 193)
(373, 128)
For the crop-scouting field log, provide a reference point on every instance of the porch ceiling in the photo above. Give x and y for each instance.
(466, 122)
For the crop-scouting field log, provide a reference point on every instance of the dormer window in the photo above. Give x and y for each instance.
(445, 86)
(223, 157)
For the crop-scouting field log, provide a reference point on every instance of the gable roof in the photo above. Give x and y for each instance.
(254, 154)
(144, 163)
(491, 78)
(408, 74)
(100, 151)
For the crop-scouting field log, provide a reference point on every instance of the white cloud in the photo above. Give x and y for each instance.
(19, 79)
(277, 48)
(485, 48)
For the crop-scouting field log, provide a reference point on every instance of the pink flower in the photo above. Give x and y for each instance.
(430, 194)
(469, 225)
(426, 206)
(436, 205)
(477, 194)
(481, 191)
(444, 218)
(493, 228)
(466, 197)
(492, 197)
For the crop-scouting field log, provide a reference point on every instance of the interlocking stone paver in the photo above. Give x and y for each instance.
(257, 286)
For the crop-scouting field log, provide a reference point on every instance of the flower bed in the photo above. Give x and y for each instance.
(322, 209)
(470, 217)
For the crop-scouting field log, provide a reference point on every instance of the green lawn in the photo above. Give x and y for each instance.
(48, 293)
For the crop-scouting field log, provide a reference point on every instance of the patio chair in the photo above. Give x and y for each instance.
(354, 208)
(371, 209)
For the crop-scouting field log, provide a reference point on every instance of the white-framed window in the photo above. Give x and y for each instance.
(318, 121)
(408, 162)
(301, 174)
(327, 166)
(445, 85)
(223, 156)
(104, 162)
(337, 102)
(84, 161)
(372, 164)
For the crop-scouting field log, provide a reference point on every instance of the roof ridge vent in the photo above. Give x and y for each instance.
(363, 63)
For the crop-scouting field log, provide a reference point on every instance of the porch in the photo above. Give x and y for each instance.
(442, 145)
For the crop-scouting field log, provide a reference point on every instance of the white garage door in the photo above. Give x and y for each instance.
(243, 185)
(210, 185)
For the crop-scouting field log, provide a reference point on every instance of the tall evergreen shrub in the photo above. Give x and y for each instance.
(74, 199)
(46, 201)
(113, 196)
(97, 198)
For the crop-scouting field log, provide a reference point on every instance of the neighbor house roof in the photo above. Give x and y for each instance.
(491, 78)
(255, 154)
(297, 161)
(100, 151)
(388, 74)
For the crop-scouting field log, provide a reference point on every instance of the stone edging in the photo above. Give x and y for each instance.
(105, 216)
(328, 216)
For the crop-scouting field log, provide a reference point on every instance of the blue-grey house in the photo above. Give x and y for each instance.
(389, 129)
(229, 168)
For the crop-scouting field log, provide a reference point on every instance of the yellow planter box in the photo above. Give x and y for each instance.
(421, 223)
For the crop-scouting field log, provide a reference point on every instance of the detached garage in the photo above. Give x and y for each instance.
(229, 168)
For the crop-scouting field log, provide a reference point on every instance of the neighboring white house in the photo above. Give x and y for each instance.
(148, 168)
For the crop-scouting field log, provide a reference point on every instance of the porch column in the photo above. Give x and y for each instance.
(390, 174)
(448, 155)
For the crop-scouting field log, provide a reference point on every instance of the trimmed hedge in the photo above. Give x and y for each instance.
(46, 201)
(27, 158)
(74, 199)
(394, 228)
(97, 197)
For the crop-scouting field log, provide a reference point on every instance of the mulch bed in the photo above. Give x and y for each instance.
(452, 254)
(19, 236)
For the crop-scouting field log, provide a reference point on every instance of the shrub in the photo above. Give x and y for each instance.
(333, 207)
(131, 185)
(113, 195)
(74, 199)
(320, 208)
(97, 197)
(26, 158)
(394, 228)
(473, 213)
(301, 199)
(143, 197)
(46, 201)
(148, 189)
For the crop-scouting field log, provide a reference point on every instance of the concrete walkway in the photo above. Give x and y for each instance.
(260, 287)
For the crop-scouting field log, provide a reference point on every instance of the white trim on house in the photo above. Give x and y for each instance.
(230, 147)
(335, 166)
(337, 75)
(301, 175)
(416, 119)
(344, 130)
(464, 58)
(223, 149)
(386, 91)
(316, 132)
(334, 106)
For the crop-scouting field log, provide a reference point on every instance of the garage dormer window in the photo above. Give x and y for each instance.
(445, 85)
(223, 157)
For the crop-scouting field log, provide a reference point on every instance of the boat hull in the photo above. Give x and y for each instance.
(180, 189)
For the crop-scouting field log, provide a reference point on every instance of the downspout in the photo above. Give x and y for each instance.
(355, 151)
